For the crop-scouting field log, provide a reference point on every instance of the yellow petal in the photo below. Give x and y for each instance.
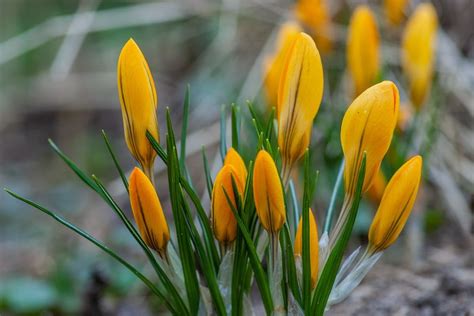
(299, 98)
(368, 126)
(268, 193)
(315, 15)
(233, 158)
(396, 205)
(395, 11)
(418, 52)
(313, 245)
(375, 191)
(223, 221)
(363, 49)
(274, 65)
(138, 101)
(147, 211)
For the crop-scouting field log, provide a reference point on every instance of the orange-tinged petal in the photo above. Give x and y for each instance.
(233, 158)
(375, 191)
(313, 245)
(396, 205)
(268, 193)
(147, 211)
(223, 220)
(368, 126)
(299, 98)
(418, 52)
(363, 49)
(275, 64)
(138, 101)
(395, 10)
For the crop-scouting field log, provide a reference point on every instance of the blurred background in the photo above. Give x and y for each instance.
(58, 80)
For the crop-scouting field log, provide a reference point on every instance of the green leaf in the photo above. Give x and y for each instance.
(114, 158)
(223, 142)
(207, 174)
(235, 119)
(290, 264)
(332, 202)
(184, 130)
(328, 275)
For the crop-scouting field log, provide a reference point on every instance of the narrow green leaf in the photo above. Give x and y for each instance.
(235, 119)
(328, 276)
(290, 264)
(207, 174)
(332, 202)
(305, 235)
(114, 158)
(223, 142)
(184, 130)
(253, 114)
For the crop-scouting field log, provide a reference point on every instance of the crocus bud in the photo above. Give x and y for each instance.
(223, 220)
(274, 64)
(147, 211)
(395, 11)
(233, 158)
(375, 191)
(268, 193)
(396, 205)
(299, 98)
(138, 101)
(313, 245)
(315, 15)
(368, 126)
(418, 52)
(363, 49)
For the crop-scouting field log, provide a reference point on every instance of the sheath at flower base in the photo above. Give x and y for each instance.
(138, 101)
(363, 49)
(315, 15)
(274, 64)
(268, 193)
(299, 97)
(418, 52)
(396, 205)
(223, 220)
(395, 11)
(368, 126)
(313, 245)
(148, 214)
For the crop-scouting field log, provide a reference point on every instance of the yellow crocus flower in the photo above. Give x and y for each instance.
(274, 65)
(313, 245)
(147, 211)
(368, 126)
(315, 15)
(138, 101)
(233, 158)
(223, 220)
(268, 193)
(395, 10)
(418, 52)
(299, 97)
(375, 191)
(396, 205)
(363, 49)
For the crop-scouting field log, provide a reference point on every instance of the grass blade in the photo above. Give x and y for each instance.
(184, 130)
(114, 158)
(332, 202)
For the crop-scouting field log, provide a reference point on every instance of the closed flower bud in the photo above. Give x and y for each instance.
(274, 64)
(375, 191)
(395, 11)
(315, 15)
(363, 49)
(147, 211)
(223, 220)
(396, 205)
(368, 126)
(268, 193)
(313, 245)
(138, 102)
(418, 52)
(299, 98)
(233, 158)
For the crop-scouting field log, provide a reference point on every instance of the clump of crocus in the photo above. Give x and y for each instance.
(367, 127)
(396, 205)
(274, 65)
(315, 15)
(313, 245)
(223, 220)
(395, 11)
(268, 193)
(148, 214)
(138, 101)
(418, 52)
(299, 98)
(363, 49)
